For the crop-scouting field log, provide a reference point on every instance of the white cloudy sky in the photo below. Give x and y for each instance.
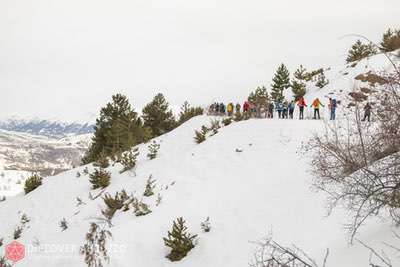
(65, 58)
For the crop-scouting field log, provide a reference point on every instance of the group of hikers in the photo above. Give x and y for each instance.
(267, 109)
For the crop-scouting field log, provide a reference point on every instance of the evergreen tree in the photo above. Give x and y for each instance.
(179, 240)
(281, 81)
(117, 129)
(321, 81)
(158, 117)
(390, 41)
(300, 73)
(360, 51)
(100, 178)
(32, 183)
(128, 159)
(188, 112)
(150, 185)
(259, 97)
(153, 150)
(298, 88)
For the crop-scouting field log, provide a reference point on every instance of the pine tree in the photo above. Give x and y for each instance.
(128, 159)
(200, 136)
(188, 112)
(153, 150)
(281, 81)
(179, 240)
(300, 73)
(95, 248)
(158, 117)
(259, 97)
(117, 129)
(150, 185)
(321, 81)
(298, 88)
(360, 51)
(390, 41)
(100, 178)
(33, 182)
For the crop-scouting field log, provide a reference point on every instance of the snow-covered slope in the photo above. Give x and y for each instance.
(246, 194)
(21, 154)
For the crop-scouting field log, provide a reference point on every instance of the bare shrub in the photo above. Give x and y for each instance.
(347, 158)
(272, 254)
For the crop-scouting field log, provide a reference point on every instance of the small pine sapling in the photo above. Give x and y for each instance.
(24, 219)
(153, 150)
(179, 240)
(128, 159)
(140, 208)
(206, 225)
(17, 232)
(114, 203)
(102, 161)
(4, 262)
(33, 182)
(150, 185)
(158, 200)
(227, 121)
(94, 250)
(63, 224)
(100, 178)
(86, 171)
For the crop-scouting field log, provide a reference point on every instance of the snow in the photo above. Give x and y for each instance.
(266, 187)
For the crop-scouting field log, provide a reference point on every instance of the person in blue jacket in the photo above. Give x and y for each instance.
(332, 107)
(291, 109)
(279, 108)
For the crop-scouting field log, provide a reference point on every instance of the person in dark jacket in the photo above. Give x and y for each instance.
(222, 108)
(237, 108)
(291, 109)
(367, 112)
(279, 108)
(271, 110)
(332, 108)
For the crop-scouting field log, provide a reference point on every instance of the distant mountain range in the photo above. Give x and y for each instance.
(48, 128)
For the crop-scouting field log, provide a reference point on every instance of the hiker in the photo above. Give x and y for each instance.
(291, 109)
(252, 107)
(237, 108)
(279, 108)
(367, 112)
(270, 110)
(246, 106)
(332, 108)
(285, 110)
(301, 103)
(222, 109)
(316, 103)
(229, 109)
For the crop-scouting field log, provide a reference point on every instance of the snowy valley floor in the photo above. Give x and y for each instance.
(264, 188)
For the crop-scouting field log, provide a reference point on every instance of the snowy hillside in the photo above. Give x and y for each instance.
(21, 154)
(250, 178)
(343, 81)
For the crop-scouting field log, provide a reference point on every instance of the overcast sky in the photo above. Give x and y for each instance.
(65, 58)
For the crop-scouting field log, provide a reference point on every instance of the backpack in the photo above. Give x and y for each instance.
(333, 103)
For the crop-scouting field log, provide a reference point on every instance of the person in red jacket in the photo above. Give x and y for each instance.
(301, 103)
(246, 106)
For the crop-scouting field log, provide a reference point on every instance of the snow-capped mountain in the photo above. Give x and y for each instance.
(45, 127)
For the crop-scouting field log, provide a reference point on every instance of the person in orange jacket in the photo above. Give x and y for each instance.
(316, 104)
(301, 103)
